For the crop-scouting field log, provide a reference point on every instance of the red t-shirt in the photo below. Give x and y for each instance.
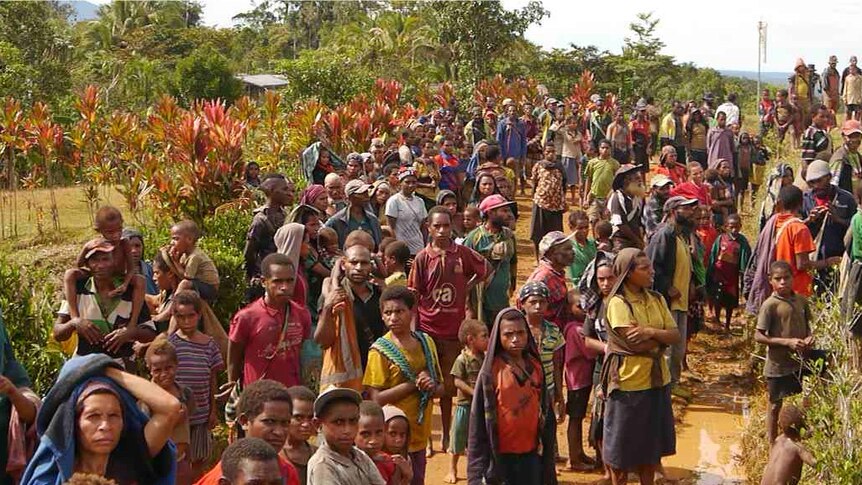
(690, 190)
(258, 328)
(794, 239)
(385, 465)
(440, 282)
(288, 472)
(518, 407)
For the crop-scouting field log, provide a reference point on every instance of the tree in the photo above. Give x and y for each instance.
(205, 74)
(642, 69)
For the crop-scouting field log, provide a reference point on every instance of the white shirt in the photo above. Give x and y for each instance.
(731, 111)
(409, 214)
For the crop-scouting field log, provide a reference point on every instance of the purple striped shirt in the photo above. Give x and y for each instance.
(197, 364)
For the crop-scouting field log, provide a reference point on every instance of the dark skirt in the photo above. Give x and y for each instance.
(638, 428)
(543, 222)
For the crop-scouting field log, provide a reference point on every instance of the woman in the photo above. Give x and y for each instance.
(379, 193)
(317, 161)
(670, 166)
(549, 197)
(485, 185)
(781, 176)
(90, 423)
(639, 427)
(18, 408)
(315, 196)
(252, 175)
(289, 240)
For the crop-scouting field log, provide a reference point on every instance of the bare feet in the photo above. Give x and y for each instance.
(451, 477)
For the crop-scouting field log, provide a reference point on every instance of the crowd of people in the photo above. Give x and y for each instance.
(390, 283)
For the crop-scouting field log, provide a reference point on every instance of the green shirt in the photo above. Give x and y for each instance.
(583, 255)
(499, 250)
(856, 227)
(600, 173)
(550, 341)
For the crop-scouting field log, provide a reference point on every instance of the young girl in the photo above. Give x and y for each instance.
(396, 436)
(371, 439)
(728, 258)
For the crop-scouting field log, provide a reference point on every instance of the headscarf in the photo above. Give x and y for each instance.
(588, 286)
(311, 193)
(475, 159)
(309, 158)
(288, 240)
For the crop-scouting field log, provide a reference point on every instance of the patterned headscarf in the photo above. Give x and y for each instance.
(534, 288)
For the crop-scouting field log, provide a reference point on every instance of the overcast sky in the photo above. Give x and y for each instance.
(726, 40)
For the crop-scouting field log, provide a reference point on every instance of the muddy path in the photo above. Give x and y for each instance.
(708, 427)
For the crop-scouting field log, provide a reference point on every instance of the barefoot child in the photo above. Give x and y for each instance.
(403, 370)
(473, 334)
(508, 419)
(370, 439)
(728, 258)
(783, 326)
(199, 362)
(297, 450)
(199, 271)
(787, 454)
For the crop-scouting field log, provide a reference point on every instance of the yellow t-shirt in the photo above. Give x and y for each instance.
(681, 275)
(648, 310)
(381, 373)
(396, 279)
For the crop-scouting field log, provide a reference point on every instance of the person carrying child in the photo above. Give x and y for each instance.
(474, 335)
(728, 258)
(783, 325)
(371, 438)
(403, 370)
(787, 454)
(511, 438)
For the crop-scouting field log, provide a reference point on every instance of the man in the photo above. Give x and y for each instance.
(799, 83)
(672, 132)
(266, 335)
(816, 140)
(406, 212)
(654, 116)
(707, 107)
(356, 215)
(451, 174)
(661, 186)
(259, 241)
(626, 208)
(334, 185)
(378, 152)
(600, 118)
(719, 142)
(731, 110)
(512, 138)
(846, 72)
(825, 198)
(831, 87)
(534, 138)
(103, 325)
(496, 243)
(442, 275)
(250, 461)
(670, 250)
(845, 162)
(350, 320)
(474, 130)
(557, 254)
(354, 167)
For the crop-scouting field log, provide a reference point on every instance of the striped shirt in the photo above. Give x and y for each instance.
(197, 364)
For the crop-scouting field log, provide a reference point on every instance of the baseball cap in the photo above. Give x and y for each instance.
(534, 288)
(552, 239)
(678, 201)
(492, 202)
(851, 126)
(660, 180)
(356, 186)
(335, 394)
(98, 245)
(817, 170)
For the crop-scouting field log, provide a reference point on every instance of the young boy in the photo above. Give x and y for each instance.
(584, 246)
(782, 325)
(337, 460)
(785, 114)
(603, 231)
(728, 258)
(787, 454)
(598, 179)
(199, 362)
(472, 218)
(397, 432)
(403, 370)
(297, 450)
(200, 273)
(371, 439)
(263, 411)
(473, 334)
(395, 258)
(161, 359)
(510, 409)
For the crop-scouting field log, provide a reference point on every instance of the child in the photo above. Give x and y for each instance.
(161, 359)
(584, 246)
(199, 271)
(744, 157)
(297, 450)
(108, 222)
(403, 370)
(199, 362)
(782, 325)
(135, 241)
(603, 231)
(766, 112)
(510, 409)
(370, 439)
(337, 460)
(473, 334)
(397, 432)
(787, 455)
(327, 245)
(728, 259)
(472, 217)
(395, 258)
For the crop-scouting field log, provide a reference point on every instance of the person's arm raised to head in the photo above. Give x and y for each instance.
(165, 409)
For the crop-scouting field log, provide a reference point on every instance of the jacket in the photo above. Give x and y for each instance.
(340, 220)
(54, 460)
(513, 142)
(662, 252)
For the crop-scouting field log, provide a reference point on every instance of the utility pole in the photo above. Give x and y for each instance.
(761, 50)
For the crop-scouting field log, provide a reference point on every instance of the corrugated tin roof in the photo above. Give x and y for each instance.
(263, 80)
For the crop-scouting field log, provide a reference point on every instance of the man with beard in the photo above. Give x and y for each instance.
(356, 215)
(845, 162)
(670, 250)
(626, 208)
(496, 243)
(442, 275)
(661, 186)
(824, 199)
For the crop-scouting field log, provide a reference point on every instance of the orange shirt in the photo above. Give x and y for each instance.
(288, 473)
(518, 408)
(795, 239)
